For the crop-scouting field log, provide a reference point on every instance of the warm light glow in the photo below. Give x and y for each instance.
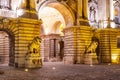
(111, 10)
(53, 68)
(105, 24)
(112, 24)
(19, 12)
(26, 70)
(61, 29)
(49, 17)
(114, 58)
(47, 30)
(116, 12)
(16, 4)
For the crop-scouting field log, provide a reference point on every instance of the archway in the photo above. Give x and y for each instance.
(6, 48)
(55, 17)
(8, 32)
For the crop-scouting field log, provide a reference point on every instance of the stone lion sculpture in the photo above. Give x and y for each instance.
(92, 47)
(33, 56)
(34, 46)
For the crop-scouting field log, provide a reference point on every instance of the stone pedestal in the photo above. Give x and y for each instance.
(90, 58)
(33, 60)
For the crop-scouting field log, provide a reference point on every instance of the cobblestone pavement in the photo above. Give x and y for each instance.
(60, 71)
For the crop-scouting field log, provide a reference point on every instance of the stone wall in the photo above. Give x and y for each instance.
(76, 39)
(4, 48)
(109, 52)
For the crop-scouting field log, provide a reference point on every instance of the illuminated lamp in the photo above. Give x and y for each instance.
(114, 58)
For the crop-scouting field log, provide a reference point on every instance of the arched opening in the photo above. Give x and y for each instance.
(55, 17)
(6, 48)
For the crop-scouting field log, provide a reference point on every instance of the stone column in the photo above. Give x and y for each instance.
(28, 29)
(45, 44)
(70, 52)
(82, 12)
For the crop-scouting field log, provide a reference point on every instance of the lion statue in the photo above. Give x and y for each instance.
(34, 46)
(92, 47)
(33, 56)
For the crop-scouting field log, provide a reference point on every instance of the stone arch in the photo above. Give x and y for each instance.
(6, 25)
(64, 10)
(58, 28)
(53, 14)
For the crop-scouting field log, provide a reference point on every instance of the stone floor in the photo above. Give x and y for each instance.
(60, 71)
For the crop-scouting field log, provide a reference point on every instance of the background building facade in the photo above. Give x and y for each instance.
(70, 30)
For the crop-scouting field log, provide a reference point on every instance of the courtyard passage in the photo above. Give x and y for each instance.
(60, 71)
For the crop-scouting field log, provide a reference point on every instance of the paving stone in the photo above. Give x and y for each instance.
(60, 71)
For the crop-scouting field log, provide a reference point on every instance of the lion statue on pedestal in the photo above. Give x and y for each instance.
(33, 57)
(92, 47)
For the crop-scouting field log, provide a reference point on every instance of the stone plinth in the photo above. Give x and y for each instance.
(90, 58)
(33, 60)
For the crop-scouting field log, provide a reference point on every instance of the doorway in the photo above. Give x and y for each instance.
(61, 53)
(6, 48)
